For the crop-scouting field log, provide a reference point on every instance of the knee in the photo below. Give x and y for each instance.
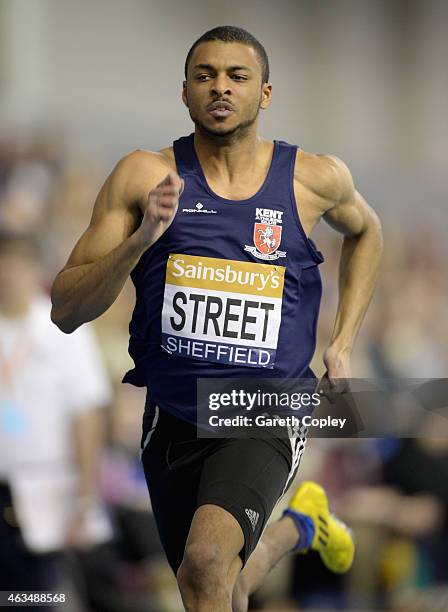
(202, 569)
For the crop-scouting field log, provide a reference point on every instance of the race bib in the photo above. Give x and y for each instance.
(222, 311)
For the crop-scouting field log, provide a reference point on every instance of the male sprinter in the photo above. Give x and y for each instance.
(214, 232)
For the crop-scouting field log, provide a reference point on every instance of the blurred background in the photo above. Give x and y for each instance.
(81, 85)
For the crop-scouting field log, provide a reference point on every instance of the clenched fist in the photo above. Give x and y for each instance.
(161, 207)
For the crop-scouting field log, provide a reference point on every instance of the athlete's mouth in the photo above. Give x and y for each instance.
(220, 109)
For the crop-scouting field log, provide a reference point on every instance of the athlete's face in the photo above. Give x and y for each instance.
(224, 91)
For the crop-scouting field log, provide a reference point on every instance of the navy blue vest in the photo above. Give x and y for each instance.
(231, 289)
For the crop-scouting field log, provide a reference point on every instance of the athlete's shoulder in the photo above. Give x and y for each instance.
(137, 173)
(148, 162)
(325, 175)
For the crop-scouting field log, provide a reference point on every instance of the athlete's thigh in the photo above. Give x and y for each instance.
(246, 477)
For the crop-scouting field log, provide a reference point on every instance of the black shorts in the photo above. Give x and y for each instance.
(245, 476)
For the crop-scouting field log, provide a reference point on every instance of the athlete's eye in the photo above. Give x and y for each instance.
(239, 77)
(202, 77)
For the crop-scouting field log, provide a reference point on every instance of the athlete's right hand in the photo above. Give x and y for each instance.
(161, 208)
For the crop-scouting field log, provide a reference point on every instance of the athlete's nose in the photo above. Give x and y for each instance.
(220, 86)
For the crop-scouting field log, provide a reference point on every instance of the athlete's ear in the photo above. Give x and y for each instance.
(266, 95)
(184, 93)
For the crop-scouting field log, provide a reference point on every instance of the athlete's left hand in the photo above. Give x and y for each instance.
(336, 378)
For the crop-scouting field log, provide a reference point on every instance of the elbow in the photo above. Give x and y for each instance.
(375, 223)
(373, 229)
(59, 315)
(62, 323)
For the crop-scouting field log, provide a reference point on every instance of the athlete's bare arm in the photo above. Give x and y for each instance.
(327, 186)
(136, 204)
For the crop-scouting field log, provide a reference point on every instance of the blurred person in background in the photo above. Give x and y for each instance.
(53, 390)
(208, 531)
(29, 169)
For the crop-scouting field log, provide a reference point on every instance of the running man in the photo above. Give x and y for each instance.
(215, 234)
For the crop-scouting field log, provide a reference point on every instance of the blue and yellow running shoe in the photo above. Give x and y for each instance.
(319, 529)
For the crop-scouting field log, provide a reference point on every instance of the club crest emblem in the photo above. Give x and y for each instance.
(267, 235)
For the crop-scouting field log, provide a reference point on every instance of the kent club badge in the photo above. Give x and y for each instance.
(267, 234)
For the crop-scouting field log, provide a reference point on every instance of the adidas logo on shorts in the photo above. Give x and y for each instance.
(253, 517)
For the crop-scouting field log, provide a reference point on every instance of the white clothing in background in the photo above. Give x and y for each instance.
(50, 378)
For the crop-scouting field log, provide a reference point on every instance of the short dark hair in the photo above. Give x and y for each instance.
(233, 34)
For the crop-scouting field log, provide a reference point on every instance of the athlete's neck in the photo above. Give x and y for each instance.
(232, 161)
